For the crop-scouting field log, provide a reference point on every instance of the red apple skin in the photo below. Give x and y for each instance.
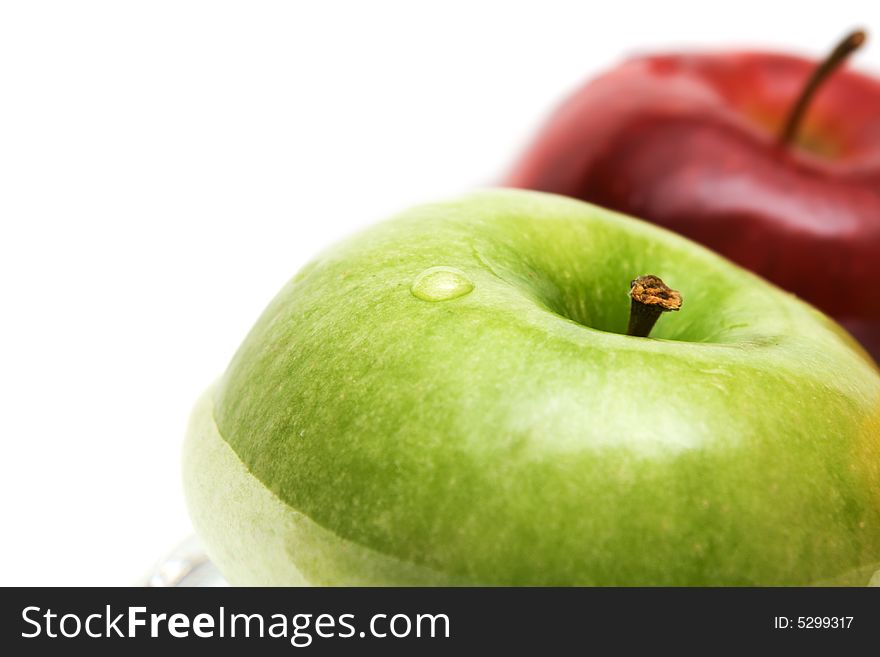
(690, 142)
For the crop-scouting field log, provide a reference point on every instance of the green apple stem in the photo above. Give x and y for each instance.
(650, 298)
(849, 44)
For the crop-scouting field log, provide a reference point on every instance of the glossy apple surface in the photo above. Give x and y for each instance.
(690, 142)
(447, 398)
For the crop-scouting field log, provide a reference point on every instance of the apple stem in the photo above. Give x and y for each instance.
(650, 298)
(848, 45)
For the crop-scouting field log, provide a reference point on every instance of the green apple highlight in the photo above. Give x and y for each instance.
(450, 398)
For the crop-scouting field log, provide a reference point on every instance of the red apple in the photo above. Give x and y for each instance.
(697, 143)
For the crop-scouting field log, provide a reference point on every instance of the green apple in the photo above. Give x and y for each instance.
(450, 398)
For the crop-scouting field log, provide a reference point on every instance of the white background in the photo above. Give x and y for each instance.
(166, 166)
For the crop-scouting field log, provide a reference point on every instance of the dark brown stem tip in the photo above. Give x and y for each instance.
(651, 297)
(652, 291)
(855, 40)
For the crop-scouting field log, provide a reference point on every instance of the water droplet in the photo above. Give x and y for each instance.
(441, 284)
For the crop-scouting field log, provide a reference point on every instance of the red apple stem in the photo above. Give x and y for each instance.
(848, 45)
(650, 298)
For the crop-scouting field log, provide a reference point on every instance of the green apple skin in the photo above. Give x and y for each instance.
(487, 423)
